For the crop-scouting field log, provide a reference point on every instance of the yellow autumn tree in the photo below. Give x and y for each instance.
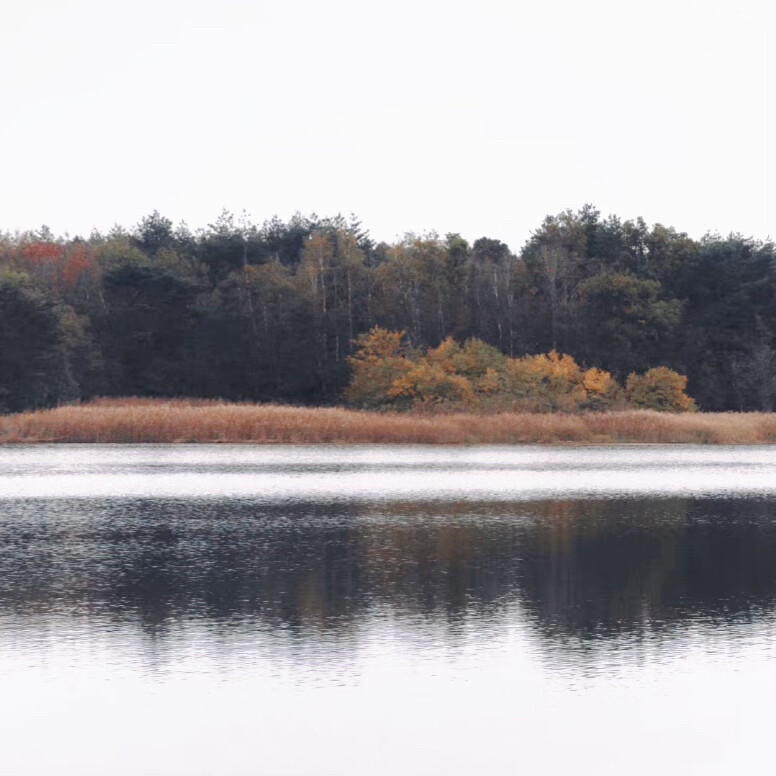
(481, 364)
(428, 385)
(450, 375)
(659, 389)
(379, 360)
(476, 359)
(445, 356)
(549, 382)
(602, 391)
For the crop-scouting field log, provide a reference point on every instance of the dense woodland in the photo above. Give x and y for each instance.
(271, 312)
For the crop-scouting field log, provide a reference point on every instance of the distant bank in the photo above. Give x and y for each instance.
(191, 420)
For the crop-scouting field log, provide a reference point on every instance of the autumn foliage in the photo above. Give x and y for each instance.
(275, 311)
(659, 389)
(388, 374)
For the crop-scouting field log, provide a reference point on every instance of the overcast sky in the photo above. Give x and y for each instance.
(477, 117)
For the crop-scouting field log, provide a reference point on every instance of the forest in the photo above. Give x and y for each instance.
(274, 311)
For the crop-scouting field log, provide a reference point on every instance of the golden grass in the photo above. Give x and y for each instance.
(192, 420)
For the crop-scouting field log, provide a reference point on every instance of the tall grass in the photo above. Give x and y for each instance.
(185, 420)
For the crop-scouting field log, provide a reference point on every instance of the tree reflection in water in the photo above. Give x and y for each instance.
(582, 570)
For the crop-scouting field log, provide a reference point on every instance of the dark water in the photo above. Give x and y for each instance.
(228, 610)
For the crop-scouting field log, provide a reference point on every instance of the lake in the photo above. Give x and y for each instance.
(206, 609)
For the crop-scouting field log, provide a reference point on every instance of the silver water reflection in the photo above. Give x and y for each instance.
(185, 614)
(321, 473)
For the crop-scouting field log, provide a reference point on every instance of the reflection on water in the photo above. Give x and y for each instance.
(577, 568)
(250, 624)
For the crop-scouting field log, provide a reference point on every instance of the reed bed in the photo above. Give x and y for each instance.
(183, 420)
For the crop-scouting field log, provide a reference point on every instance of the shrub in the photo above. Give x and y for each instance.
(603, 391)
(377, 363)
(428, 385)
(545, 383)
(659, 389)
(386, 374)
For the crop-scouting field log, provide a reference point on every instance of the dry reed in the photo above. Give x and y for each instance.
(184, 420)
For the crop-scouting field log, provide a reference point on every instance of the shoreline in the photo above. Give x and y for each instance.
(171, 421)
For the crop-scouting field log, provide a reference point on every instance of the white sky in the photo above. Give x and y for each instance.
(477, 117)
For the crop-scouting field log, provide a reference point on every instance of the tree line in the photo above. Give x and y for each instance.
(272, 311)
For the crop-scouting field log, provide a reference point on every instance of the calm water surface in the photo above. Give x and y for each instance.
(405, 610)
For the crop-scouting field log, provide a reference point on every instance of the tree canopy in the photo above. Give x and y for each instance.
(276, 310)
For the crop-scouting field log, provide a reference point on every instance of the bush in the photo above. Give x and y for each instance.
(659, 389)
(476, 376)
(546, 383)
(378, 362)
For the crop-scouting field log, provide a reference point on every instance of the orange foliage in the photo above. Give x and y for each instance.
(549, 382)
(36, 253)
(428, 385)
(602, 389)
(63, 267)
(378, 362)
(476, 376)
(659, 389)
(77, 263)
